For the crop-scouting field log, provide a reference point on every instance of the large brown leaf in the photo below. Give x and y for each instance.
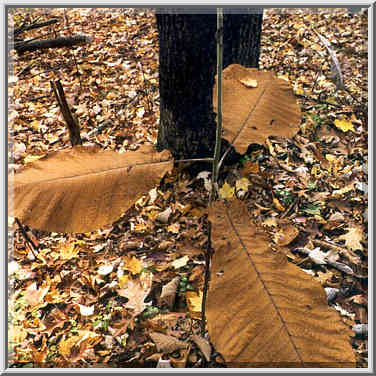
(263, 311)
(84, 188)
(252, 114)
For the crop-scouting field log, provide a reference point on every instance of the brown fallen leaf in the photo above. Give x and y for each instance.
(250, 116)
(263, 311)
(286, 234)
(166, 343)
(84, 188)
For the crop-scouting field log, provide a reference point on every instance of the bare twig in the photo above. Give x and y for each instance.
(34, 26)
(70, 119)
(341, 250)
(206, 282)
(33, 246)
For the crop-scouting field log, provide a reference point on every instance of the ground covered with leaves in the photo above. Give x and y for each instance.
(129, 294)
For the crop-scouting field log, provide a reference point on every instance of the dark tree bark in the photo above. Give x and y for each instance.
(187, 68)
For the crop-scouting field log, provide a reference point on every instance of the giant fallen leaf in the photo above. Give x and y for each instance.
(263, 311)
(84, 188)
(252, 115)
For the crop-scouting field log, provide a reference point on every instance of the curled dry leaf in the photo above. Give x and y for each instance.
(164, 216)
(203, 345)
(167, 344)
(169, 292)
(286, 235)
(85, 188)
(262, 310)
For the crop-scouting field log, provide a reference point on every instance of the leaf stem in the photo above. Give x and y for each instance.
(217, 149)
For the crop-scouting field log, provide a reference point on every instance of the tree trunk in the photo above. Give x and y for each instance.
(187, 69)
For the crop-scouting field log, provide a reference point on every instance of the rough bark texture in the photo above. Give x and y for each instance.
(187, 67)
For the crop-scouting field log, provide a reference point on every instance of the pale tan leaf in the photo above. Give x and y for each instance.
(203, 345)
(248, 82)
(164, 216)
(263, 311)
(242, 184)
(353, 238)
(137, 291)
(167, 344)
(84, 188)
(251, 116)
(168, 293)
(194, 303)
(180, 262)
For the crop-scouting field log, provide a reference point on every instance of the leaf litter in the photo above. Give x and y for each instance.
(70, 305)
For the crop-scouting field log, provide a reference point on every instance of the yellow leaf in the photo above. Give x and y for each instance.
(330, 157)
(32, 158)
(111, 95)
(299, 91)
(123, 281)
(315, 171)
(277, 205)
(284, 77)
(248, 82)
(194, 301)
(68, 251)
(242, 184)
(140, 227)
(133, 264)
(344, 125)
(227, 191)
(35, 125)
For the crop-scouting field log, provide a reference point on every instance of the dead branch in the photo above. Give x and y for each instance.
(59, 42)
(23, 28)
(70, 119)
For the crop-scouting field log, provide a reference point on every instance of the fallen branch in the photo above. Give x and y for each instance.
(59, 42)
(23, 28)
(33, 247)
(70, 119)
(341, 250)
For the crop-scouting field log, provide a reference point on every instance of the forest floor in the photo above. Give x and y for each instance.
(63, 311)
